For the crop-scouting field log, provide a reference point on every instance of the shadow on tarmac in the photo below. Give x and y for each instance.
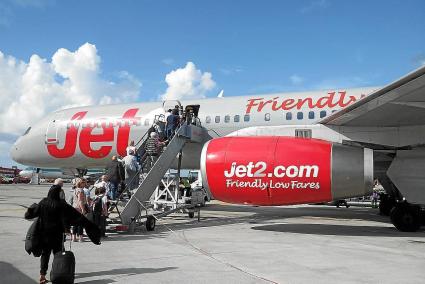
(267, 215)
(338, 230)
(10, 274)
(118, 271)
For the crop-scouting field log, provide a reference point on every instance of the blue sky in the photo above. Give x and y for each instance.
(247, 46)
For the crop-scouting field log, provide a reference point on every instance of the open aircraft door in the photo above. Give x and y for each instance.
(171, 104)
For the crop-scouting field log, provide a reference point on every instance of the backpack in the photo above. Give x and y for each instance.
(97, 205)
(131, 165)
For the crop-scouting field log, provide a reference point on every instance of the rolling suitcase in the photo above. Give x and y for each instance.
(63, 267)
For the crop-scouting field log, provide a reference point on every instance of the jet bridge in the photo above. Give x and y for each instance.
(187, 133)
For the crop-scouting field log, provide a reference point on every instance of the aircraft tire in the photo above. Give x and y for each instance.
(191, 214)
(405, 217)
(386, 203)
(150, 223)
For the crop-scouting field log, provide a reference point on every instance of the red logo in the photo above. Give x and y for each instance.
(268, 170)
(86, 137)
(331, 100)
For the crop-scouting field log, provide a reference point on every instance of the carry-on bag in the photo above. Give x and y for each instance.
(63, 267)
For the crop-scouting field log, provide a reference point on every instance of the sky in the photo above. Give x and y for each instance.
(57, 54)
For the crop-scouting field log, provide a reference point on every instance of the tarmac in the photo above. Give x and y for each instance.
(230, 244)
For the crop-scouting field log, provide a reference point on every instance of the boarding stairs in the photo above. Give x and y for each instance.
(186, 133)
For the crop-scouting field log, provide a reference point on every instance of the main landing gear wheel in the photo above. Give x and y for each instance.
(386, 203)
(405, 217)
(150, 223)
(191, 214)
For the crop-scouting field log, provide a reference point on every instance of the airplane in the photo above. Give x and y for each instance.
(276, 149)
(44, 173)
(53, 173)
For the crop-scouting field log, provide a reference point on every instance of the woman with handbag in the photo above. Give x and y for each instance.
(79, 203)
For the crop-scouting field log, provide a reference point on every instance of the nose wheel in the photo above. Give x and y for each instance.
(406, 217)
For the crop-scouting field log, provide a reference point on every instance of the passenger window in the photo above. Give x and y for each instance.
(246, 117)
(300, 115)
(267, 117)
(311, 114)
(322, 113)
(147, 122)
(217, 119)
(289, 116)
(227, 119)
(236, 118)
(208, 119)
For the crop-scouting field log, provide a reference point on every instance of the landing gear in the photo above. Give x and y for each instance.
(191, 214)
(406, 217)
(386, 203)
(81, 172)
(150, 223)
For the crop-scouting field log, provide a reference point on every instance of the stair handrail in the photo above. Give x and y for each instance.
(143, 160)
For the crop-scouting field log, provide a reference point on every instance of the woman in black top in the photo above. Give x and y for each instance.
(55, 217)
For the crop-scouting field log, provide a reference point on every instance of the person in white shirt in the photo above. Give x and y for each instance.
(104, 182)
(131, 147)
(131, 167)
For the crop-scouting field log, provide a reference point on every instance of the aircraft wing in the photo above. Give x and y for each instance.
(401, 103)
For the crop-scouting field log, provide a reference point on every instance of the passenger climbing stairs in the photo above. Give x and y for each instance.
(186, 133)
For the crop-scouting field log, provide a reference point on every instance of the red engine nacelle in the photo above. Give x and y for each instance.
(284, 170)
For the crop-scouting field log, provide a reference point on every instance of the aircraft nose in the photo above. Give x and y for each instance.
(15, 152)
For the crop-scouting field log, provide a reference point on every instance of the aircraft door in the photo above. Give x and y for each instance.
(52, 132)
(171, 104)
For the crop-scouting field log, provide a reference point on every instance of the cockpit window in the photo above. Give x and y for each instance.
(27, 131)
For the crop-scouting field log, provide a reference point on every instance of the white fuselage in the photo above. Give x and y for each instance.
(44, 173)
(87, 137)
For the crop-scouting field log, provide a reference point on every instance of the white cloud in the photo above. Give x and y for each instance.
(28, 91)
(296, 80)
(187, 83)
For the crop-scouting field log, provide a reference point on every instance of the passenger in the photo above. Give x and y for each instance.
(131, 168)
(170, 124)
(177, 110)
(59, 182)
(131, 147)
(80, 204)
(158, 127)
(75, 181)
(104, 182)
(167, 114)
(154, 145)
(100, 209)
(115, 173)
(55, 216)
(375, 196)
(87, 193)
